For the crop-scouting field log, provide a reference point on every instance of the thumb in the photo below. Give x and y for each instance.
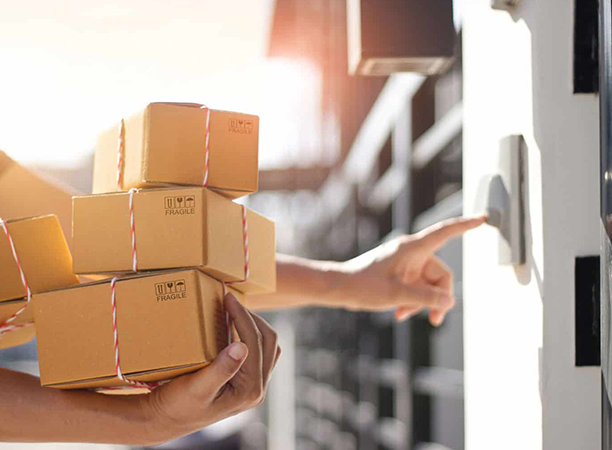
(226, 364)
(430, 297)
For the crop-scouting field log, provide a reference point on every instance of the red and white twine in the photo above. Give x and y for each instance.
(118, 371)
(7, 325)
(120, 153)
(206, 146)
(245, 235)
(133, 230)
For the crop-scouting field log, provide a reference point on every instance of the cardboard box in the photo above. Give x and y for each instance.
(174, 228)
(17, 336)
(169, 323)
(165, 145)
(26, 193)
(46, 263)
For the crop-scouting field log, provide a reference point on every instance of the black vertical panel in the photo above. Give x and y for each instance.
(420, 356)
(587, 316)
(586, 47)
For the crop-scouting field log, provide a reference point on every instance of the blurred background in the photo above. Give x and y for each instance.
(346, 162)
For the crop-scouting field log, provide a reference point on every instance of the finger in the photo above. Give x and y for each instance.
(224, 367)
(439, 234)
(437, 273)
(269, 345)
(430, 297)
(211, 381)
(436, 317)
(405, 312)
(251, 337)
(277, 357)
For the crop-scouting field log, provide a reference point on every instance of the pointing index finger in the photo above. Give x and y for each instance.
(439, 234)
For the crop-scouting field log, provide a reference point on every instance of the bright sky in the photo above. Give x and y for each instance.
(70, 68)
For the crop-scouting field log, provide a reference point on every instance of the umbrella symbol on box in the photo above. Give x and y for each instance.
(189, 202)
(171, 287)
(180, 286)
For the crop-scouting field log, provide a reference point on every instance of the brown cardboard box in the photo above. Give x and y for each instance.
(165, 144)
(175, 228)
(163, 331)
(46, 263)
(25, 193)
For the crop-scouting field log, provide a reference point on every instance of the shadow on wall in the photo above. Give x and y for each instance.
(524, 272)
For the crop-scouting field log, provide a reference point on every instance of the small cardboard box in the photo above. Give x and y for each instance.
(165, 145)
(174, 228)
(46, 263)
(168, 323)
(25, 193)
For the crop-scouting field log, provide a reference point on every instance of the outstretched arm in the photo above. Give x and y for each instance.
(402, 274)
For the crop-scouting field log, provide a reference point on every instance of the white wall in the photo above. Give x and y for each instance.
(522, 389)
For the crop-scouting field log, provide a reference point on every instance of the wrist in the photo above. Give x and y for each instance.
(155, 430)
(334, 278)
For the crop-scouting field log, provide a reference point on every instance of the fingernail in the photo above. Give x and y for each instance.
(439, 319)
(402, 317)
(237, 351)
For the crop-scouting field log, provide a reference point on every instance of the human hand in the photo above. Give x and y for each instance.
(404, 274)
(234, 382)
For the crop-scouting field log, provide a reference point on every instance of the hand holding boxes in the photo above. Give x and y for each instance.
(167, 324)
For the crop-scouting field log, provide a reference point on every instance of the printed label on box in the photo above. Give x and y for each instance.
(180, 205)
(242, 126)
(170, 290)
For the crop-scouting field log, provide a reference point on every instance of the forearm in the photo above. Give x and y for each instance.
(31, 413)
(302, 282)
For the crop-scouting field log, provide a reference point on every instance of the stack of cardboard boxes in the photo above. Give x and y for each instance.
(162, 230)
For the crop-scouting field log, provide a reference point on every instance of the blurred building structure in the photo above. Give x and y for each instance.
(363, 381)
